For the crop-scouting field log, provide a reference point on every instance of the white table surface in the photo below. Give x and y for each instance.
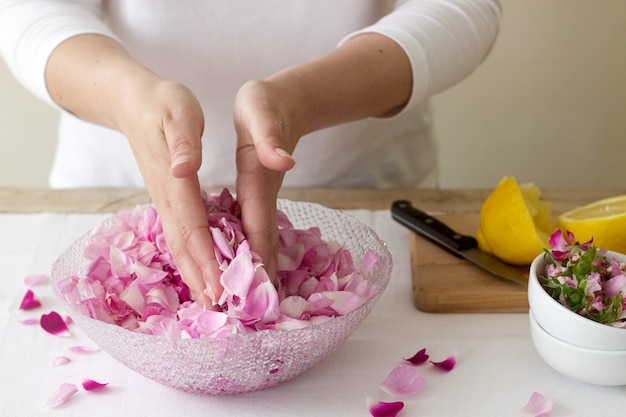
(496, 372)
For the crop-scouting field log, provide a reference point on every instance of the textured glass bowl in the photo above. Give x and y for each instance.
(238, 363)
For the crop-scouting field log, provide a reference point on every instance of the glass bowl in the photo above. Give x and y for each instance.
(242, 362)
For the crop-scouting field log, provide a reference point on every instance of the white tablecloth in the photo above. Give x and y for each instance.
(496, 372)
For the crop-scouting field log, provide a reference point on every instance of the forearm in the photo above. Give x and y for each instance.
(418, 50)
(94, 78)
(369, 75)
(30, 30)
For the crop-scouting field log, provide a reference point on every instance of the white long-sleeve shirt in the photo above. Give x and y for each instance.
(214, 46)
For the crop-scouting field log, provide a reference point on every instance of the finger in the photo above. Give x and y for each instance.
(258, 217)
(185, 224)
(190, 233)
(191, 275)
(260, 127)
(257, 188)
(183, 133)
(186, 157)
(272, 154)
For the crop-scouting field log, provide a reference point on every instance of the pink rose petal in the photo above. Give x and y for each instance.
(403, 381)
(82, 349)
(344, 302)
(615, 285)
(90, 385)
(263, 302)
(538, 405)
(236, 279)
(36, 279)
(54, 324)
(446, 365)
(29, 322)
(61, 395)
(29, 301)
(209, 322)
(383, 409)
(419, 358)
(60, 360)
(369, 261)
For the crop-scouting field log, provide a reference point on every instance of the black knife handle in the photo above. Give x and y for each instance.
(431, 228)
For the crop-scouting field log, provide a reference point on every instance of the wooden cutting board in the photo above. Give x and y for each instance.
(443, 283)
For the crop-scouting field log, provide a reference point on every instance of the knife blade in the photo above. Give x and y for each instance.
(456, 243)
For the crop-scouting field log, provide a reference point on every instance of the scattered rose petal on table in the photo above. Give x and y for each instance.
(446, 365)
(29, 322)
(61, 395)
(90, 385)
(54, 324)
(82, 349)
(383, 409)
(538, 405)
(60, 360)
(29, 301)
(402, 381)
(35, 279)
(419, 358)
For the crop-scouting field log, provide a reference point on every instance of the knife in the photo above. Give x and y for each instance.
(459, 245)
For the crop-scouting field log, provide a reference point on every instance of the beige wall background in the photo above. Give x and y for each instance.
(548, 106)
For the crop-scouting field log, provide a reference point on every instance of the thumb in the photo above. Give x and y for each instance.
(184, 141)
(270, 148)
(183, 125)
(186, 155)
(273, 156)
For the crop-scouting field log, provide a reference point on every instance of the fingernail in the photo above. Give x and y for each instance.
(181, 160)
(211, 294)
(284, 153)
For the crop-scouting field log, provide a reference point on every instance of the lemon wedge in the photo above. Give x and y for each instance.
(515, 224)
(604, 220)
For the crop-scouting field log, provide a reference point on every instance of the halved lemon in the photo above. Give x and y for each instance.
(515, 224)
(604, 220)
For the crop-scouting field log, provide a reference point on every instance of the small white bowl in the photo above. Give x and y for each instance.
(566, 325)
(593, 366)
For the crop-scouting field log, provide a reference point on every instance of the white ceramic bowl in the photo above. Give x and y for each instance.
(242, 362)
(565, 325)
(593, 366)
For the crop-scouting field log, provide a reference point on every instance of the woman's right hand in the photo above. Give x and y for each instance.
(165, 131)
(93, 77)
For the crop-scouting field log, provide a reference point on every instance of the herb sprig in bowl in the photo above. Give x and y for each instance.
(585, 279)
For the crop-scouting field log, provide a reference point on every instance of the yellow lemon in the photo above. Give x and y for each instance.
(604, 220)
(515, 223)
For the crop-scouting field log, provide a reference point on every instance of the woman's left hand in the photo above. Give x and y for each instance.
(265, 139)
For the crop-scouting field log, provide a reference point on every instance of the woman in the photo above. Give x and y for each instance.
(149, 90)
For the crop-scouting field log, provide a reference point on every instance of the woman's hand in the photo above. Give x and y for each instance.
(369, 75)
(166, 140)
(93, 77)
(266, 136)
